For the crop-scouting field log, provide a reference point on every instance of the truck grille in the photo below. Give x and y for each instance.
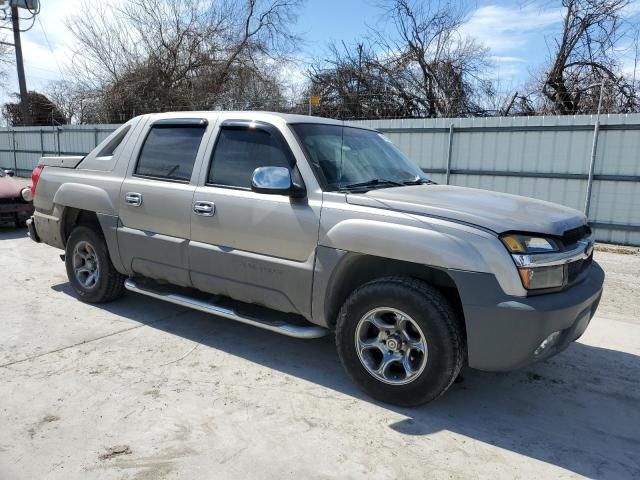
(576, 270)
(570, 237)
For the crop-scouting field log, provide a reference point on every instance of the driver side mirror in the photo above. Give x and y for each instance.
(9, 173)
(276, 181)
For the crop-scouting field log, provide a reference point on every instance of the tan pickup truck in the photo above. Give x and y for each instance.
(306, 226)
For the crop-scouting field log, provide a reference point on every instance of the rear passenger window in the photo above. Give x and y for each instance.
(240, 151)
(112, 147)
(169, 152)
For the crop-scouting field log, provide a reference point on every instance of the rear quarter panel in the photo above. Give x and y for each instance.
(93, 189)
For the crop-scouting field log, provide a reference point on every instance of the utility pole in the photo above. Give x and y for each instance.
(360, 46)
(24, 99)
(594, 150)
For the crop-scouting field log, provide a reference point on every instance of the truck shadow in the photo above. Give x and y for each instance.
(8, 231)
(578, 410)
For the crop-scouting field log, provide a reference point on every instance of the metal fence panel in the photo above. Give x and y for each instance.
(31, 143)
(542, 157)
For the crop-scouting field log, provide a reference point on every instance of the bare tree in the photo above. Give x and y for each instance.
(415, 63)
(152, 55)
(353, 84)
(77, 104)
(441, 70)
(584, 56)
(6, 58)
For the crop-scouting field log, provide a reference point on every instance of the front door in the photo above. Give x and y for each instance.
(254, 247)
(155, 201)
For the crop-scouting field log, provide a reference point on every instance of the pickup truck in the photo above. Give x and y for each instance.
(305, 226)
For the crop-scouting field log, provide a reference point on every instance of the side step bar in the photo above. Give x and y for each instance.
(284, 328)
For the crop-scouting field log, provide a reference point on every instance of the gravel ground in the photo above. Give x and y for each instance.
(140, 389)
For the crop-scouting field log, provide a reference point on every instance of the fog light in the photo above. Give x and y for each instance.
(547, 342)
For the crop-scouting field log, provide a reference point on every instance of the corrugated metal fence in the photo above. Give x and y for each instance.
(20, 148)
(542, 157)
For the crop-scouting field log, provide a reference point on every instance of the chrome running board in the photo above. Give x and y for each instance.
(297, 331)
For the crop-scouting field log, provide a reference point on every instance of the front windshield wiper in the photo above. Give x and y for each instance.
(373, 182)
(419, 181)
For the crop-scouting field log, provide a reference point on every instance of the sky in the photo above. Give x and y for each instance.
(517, 33)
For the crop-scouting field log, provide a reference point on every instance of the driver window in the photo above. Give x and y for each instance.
(239, 151)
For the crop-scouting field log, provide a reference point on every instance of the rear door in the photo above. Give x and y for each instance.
(155, 200)
(251, 246)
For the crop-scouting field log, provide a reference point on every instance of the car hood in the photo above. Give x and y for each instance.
(9, 187)
(499, 212)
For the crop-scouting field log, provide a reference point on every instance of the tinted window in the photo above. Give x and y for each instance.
(170, 152)
(114, 144)
(240, 151)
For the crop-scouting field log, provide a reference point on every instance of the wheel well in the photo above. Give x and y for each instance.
(76, 216)
(356, 270)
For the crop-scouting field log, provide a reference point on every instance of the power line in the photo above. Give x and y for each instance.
(46, 37)
(36, 67)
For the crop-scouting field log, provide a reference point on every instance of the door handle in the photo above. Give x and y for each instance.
(133, 198)
(205, 209)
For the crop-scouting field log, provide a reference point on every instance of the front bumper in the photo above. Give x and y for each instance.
(505, 332)
(15, 211)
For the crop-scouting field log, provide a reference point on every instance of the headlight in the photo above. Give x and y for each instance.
(527, 250)
(521, 243)
(26, 194)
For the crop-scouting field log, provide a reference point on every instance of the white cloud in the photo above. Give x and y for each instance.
(503, 29)
(513, 35)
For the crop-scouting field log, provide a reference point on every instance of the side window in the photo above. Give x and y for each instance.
(240, 151)
(169, 152)
(112, 147)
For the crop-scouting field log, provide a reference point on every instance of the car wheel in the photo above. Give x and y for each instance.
(89, 267)
(399, 340)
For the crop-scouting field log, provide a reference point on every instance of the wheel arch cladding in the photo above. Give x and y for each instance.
(105, 224)
(352, 270)
(84, 197)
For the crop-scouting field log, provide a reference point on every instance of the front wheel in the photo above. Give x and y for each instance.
(89, 267)
(399, 340)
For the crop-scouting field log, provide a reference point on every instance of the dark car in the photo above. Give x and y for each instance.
(16, 200)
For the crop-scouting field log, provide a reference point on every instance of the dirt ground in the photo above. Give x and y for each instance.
(140, 389)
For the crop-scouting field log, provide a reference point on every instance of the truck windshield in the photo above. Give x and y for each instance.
(349, 158)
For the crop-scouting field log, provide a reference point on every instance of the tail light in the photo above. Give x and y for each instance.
(35, 176)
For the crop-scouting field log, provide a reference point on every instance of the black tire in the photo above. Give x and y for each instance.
(109, 283)
(435, 317)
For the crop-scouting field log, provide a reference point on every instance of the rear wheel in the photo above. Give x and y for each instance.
(399, 340)
(89, 267)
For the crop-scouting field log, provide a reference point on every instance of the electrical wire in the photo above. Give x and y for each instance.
(6, 17)
(46, 37)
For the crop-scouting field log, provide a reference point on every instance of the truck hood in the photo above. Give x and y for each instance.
(499, 212)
